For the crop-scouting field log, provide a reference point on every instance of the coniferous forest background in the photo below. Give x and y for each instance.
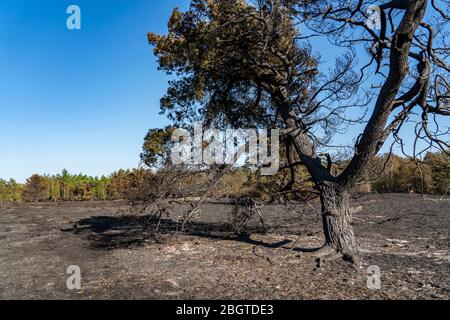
(400, 176)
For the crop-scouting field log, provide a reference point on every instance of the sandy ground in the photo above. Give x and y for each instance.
(406, 236)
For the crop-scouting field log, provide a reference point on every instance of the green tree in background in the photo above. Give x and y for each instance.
(36, 189)
(10, 191)
(156, 148)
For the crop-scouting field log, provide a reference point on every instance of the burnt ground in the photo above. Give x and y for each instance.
(406, 236)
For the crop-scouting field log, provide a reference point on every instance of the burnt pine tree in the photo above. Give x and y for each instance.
(245, 63)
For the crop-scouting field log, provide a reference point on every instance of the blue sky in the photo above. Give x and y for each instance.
(83, 99)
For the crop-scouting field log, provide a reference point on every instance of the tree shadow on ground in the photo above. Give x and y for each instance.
(110, 233)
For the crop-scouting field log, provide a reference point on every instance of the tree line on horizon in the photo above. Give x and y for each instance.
(399, 176)
(70, 187)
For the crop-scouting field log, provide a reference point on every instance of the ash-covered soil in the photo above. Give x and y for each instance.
(406, 236)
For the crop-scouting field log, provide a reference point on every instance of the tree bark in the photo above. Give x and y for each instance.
(337, 220)
(336, 215)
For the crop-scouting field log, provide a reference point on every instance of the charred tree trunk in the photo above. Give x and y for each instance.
(337, 220)
(336, 215)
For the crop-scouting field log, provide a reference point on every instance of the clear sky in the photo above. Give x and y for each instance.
(80, 99)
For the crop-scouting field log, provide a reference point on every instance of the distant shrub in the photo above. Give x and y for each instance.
(10, 191)
(36, 189)
(403, 176)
